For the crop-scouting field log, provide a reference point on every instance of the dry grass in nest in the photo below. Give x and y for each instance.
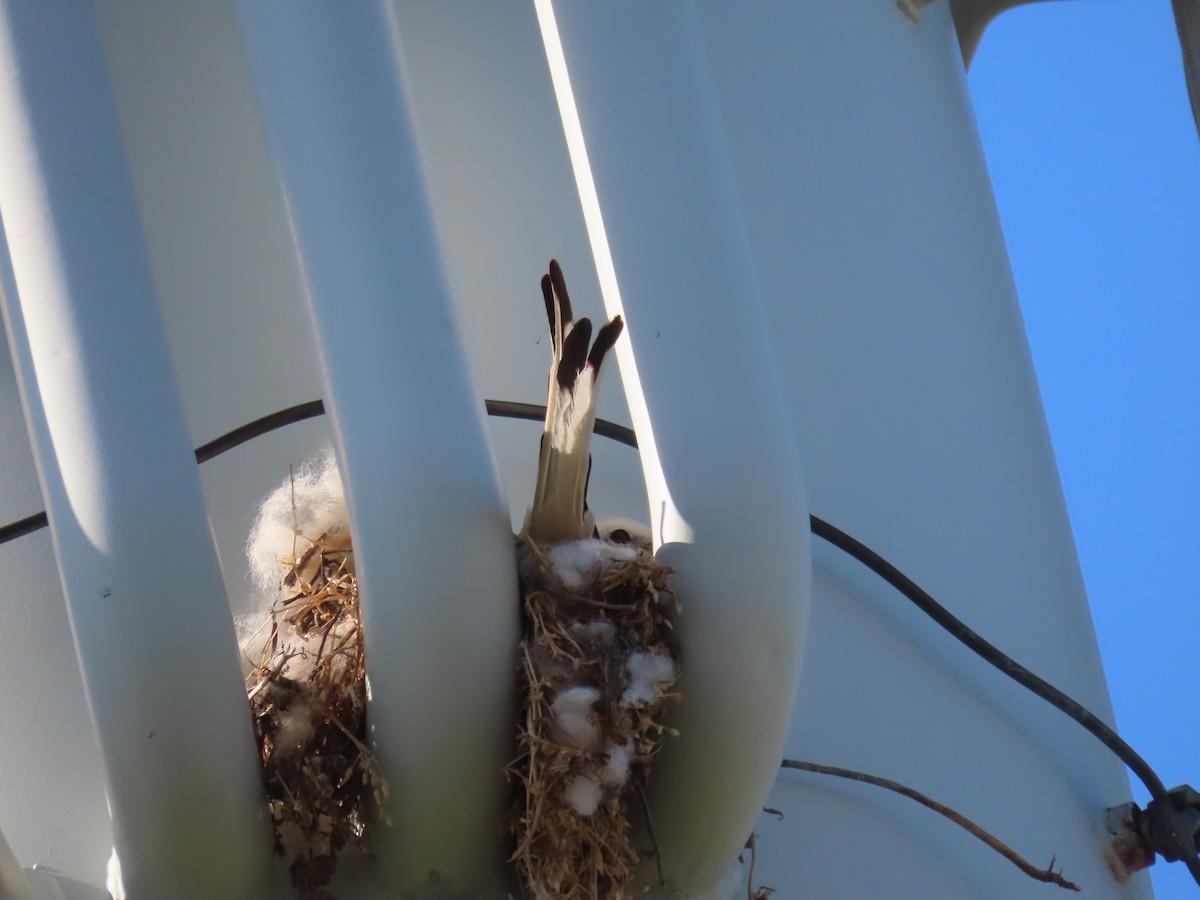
(308, 698)
(560, 852)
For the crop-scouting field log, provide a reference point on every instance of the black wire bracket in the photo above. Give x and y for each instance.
(1171, 825)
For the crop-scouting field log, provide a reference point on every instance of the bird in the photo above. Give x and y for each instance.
(560, 510)
(620, 530)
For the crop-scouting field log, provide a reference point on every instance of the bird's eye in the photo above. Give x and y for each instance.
(620, 536)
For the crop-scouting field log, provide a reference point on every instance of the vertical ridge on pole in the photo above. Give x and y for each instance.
(735, 520)
(432, 539)
(147, 603)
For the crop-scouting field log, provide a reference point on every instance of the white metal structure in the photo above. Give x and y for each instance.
(216, 210)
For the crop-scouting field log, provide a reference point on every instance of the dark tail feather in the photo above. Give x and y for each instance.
(606, 338)
(574, 353)
(560, 288)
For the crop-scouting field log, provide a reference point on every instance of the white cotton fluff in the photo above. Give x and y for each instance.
(253, 629)
(295, 514)
(579, 562)
(584, 794)
(639, 694)
(295, 728)
(656, 667)
(648, 674)
(572, 714)
(616, 772)
(615, 553)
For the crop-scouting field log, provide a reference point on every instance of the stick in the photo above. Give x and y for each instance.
(1047, 875)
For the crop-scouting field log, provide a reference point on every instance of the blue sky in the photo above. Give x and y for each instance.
(1096, 165)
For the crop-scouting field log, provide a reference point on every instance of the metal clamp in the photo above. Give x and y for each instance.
(1169, 827)
(1172, 826)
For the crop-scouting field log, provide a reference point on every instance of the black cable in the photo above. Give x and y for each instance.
(990, 653)
(27, 525)
(204, 453)
(259, 427)
(821, 528)
(1012, 669)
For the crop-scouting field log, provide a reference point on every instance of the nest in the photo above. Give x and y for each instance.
(599, 664)
(308, 699)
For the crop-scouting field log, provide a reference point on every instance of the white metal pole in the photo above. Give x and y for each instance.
(14, 884)
(148, 607)
(725, 483)
(432, 537)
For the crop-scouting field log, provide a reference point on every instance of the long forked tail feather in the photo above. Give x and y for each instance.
(559, 511)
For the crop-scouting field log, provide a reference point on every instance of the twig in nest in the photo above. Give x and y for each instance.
(1047, 875)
